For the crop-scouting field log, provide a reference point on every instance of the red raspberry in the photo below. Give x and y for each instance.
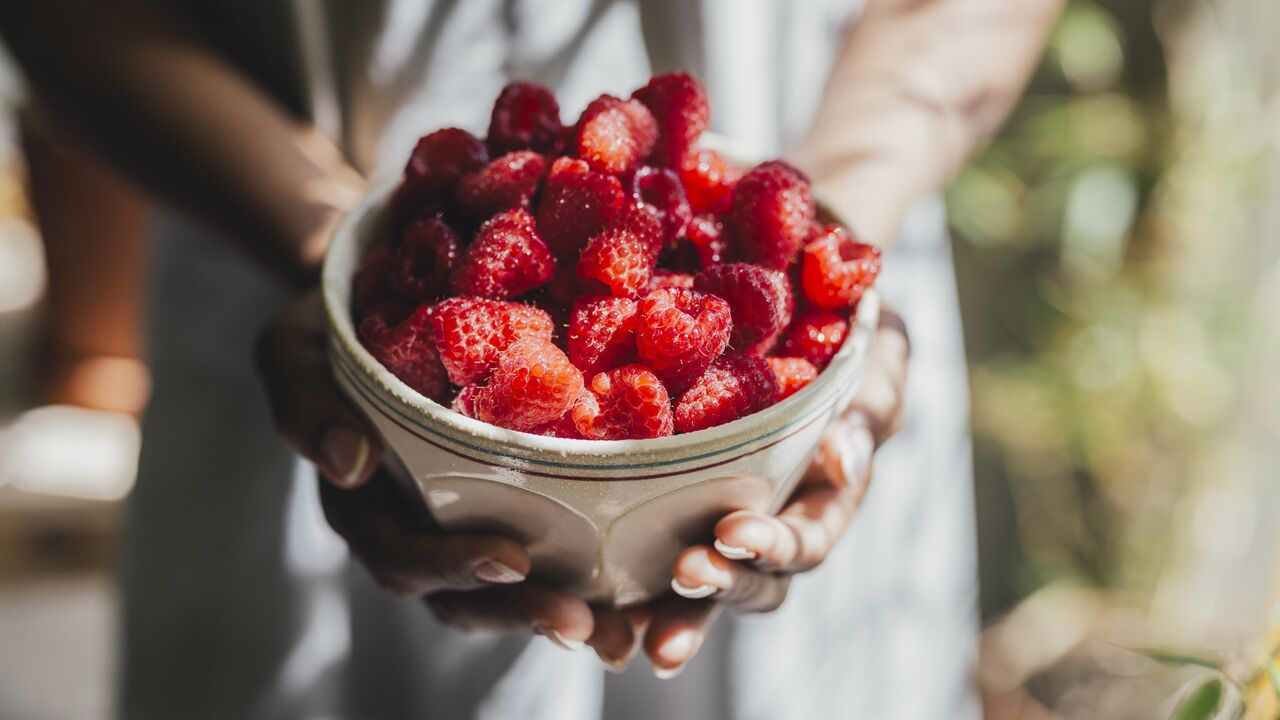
(680, 333)
(679, 104)
(506, 259)
(533, 384)
(408, 351)
(735, 386)
(615, 135)
(631, 402)
(760, 298)
(562, 427)
(506, 183)
(623, 255)
(837, 270)
(772, 214)
(670, 279)
(369, 286)
(440, 159)
(428, 252)
(792, 374)
(576, 204)
(465, 401)
(525, 117)
(471, 333)
(661, 189)
(602, 333)
(709, 182)
(815, 336)
(707, 235)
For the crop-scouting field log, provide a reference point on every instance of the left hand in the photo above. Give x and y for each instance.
(754, 557)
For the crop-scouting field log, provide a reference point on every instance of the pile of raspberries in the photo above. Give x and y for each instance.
(606, 280)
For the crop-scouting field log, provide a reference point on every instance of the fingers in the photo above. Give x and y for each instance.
(413, 564)
(676, 633)
(701, 571)
(880, 400)
(617, 633)
(528, 607)
(308, 409)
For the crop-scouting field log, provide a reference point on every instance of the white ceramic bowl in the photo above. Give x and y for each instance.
(601, 519)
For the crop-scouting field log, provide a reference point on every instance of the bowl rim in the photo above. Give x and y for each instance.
(380, 386)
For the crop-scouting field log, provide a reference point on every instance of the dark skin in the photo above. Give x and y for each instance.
(919, 85)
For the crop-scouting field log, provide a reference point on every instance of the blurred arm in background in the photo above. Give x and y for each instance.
(919, 85)
(134, 81)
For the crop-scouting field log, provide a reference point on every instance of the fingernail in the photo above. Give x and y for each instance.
(555, 637)
(734, 553)
(492, 571)
(855, 456)
(752, 533)
(679, 648)
(693, 593)
(345, 453)
(613, 665)
(663, 673)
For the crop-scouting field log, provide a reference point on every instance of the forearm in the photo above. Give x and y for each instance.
(918, 86)
(135, 83)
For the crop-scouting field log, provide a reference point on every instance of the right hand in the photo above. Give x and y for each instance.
(470, 581)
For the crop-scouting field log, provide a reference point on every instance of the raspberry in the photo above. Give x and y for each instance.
(428, 252)
(506, 183)
(772, 213)
(733, 387)
(471, 333)
(602, 333)
(792, 374)
(561, 427)
(631, 402)
(706, 234)
(506, 259)
(623, 255)
(615, 135)
(525, 117)
(369, 286)
(670, 279)
(815, 336)
(661, 189)
(408, 351)
(680, 332)
(837, 270)
(533, 384)
(465, 401)
(709, 182)
(679, 104)
(440, 159)
(760, 298)
(576, 204)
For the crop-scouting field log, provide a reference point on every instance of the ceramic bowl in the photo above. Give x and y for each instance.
(601, 519)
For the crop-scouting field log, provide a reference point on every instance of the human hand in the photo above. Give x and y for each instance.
(754, 556)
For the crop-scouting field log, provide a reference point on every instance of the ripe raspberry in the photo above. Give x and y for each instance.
(440, 159)
(428, 252)
(709, 182)
(408, 351)
(670, 279)
(533, 384)
(622, 256)
(576, 204)
(680, 332)
(506, 259)
(504, 184)
(706, 234)
(563, 426)
(370, 284)
(602, 333)
(792, 374)
(772, 214)
(471, 333)
(733, 387)
(525, 117)
(760, 298)
(631, 402)
(815, 336)
(661, 189)
(465, 401)
(679, 104)
(615, 135)
(837, 270)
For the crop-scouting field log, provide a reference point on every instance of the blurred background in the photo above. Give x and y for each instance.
(1119, 258)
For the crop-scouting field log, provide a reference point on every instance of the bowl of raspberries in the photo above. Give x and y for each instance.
(597, 338)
